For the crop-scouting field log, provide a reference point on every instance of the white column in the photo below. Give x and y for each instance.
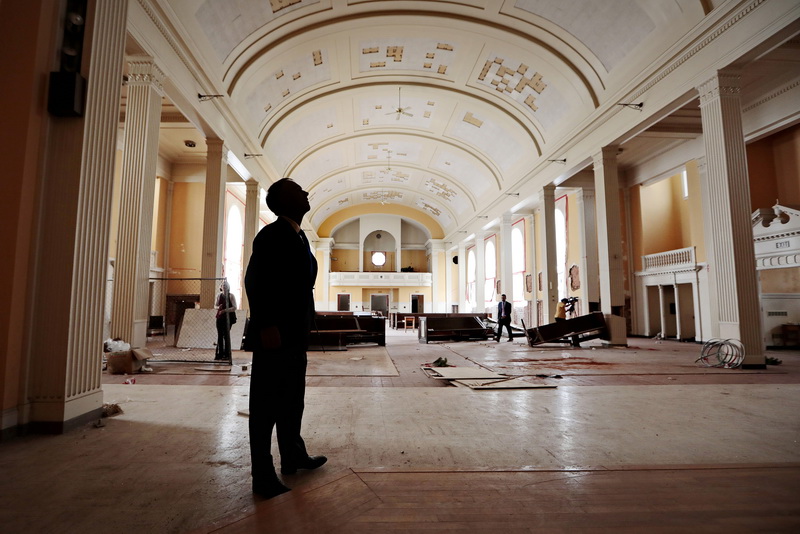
(733, 257)
(480, 273)
(609, 243)
(547, 237)
(506, 266)
(251, 213)
(462, 277)
(448, 282)
(662, 311)
(324, 246)
(677, 311)
(213, 220)
(436, 251)
(63, 374)
(590, 279)
(139, 159)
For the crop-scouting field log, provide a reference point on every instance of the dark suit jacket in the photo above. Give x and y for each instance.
(279, 283)
(508, 308)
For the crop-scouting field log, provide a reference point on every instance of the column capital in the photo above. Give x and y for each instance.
(605, 154)
(217, 146)
(508, 218)
(434, 245)
(143, 71)
(251, 185)
(721, 84)
(324, 243)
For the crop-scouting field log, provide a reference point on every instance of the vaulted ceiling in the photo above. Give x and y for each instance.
(442, 107)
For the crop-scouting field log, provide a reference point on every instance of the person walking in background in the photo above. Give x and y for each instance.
(226, 318)
(279, 282)
(503, 318)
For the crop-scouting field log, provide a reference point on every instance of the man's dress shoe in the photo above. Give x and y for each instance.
(312, 462)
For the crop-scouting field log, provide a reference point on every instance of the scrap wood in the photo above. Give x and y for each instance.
(511, 383)
(226, 369)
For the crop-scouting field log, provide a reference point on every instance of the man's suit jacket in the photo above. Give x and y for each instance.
(279, 282)
(500, 308)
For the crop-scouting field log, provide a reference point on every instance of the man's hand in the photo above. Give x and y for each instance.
(270, 337)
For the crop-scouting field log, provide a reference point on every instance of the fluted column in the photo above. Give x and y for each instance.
(733, 256)
(707, 321)
(506, 266)
(68, 300)
(590, 279)
(139, 159)
(213, 221)
(480, 273)
(251, 212)
(462, 277)
(438, 298)
(324, 246)
(547, 237)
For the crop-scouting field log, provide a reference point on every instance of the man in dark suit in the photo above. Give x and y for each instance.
(503, 318)
(279, 282)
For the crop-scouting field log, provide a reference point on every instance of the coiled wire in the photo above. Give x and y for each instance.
(726, 353)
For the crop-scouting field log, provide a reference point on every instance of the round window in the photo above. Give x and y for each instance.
(378, 259)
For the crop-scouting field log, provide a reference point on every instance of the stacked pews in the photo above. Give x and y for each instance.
(572, 331)
(461, 328)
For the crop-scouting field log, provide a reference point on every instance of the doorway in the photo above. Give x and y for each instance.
(417, 303)
(379, 303)
(343, 302)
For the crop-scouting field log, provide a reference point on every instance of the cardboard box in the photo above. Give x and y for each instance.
(127, 361)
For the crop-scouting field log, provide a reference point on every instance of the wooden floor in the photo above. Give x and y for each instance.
(744, 498)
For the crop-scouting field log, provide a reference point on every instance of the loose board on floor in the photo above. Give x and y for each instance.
(514, 383)
(457, 373)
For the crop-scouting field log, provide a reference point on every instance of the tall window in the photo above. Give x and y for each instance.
(234, 242)
(471, 268)
(518, 263)
(490, 265)
(561, 246)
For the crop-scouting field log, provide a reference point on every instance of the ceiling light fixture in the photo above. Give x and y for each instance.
(400, 110)
(637, 107)
(561, 161)
(204, 98)
(512, 194)
(251, 156)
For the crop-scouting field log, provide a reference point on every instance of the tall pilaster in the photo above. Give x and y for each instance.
(589, 276)
(448, 281)
(707, 321)
(251, 212)
(480, 273)
(435, 248)
(462, 277)
(139, 159)
(609, 243)
(733, 256)
(547, 237)
(506, 265)
(324, 246)
(64, 370)
(213, 221)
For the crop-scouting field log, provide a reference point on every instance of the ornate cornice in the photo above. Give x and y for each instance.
(775, 94)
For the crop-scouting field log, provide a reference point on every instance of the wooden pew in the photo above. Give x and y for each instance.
(336, 331)
(574, 331)
(462, 328)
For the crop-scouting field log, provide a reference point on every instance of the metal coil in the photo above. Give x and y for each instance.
(726, 353)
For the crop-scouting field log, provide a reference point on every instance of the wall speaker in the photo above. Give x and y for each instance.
(65, 94)
(455, 260)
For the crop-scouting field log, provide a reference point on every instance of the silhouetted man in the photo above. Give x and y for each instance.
(279, 282)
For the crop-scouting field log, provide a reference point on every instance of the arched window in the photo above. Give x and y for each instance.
(518, 263)
(234, 242)
(471, 269)
(490, 264)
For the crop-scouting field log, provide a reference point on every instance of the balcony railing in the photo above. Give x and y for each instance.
(670, 260)
(381, 279)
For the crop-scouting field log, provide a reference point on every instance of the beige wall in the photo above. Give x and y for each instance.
(785, 280)
(186, 247)
(346, 260)
(414, 258)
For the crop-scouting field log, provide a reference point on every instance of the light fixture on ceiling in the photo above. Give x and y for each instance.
(512, 194)
(482, 216)
(637, 107)
(189, 143)
(562, 161)
(204, 98)
(400, 110)
(251, 156)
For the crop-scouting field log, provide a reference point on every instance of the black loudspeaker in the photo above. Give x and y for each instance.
(455, 260)
(65, 94)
